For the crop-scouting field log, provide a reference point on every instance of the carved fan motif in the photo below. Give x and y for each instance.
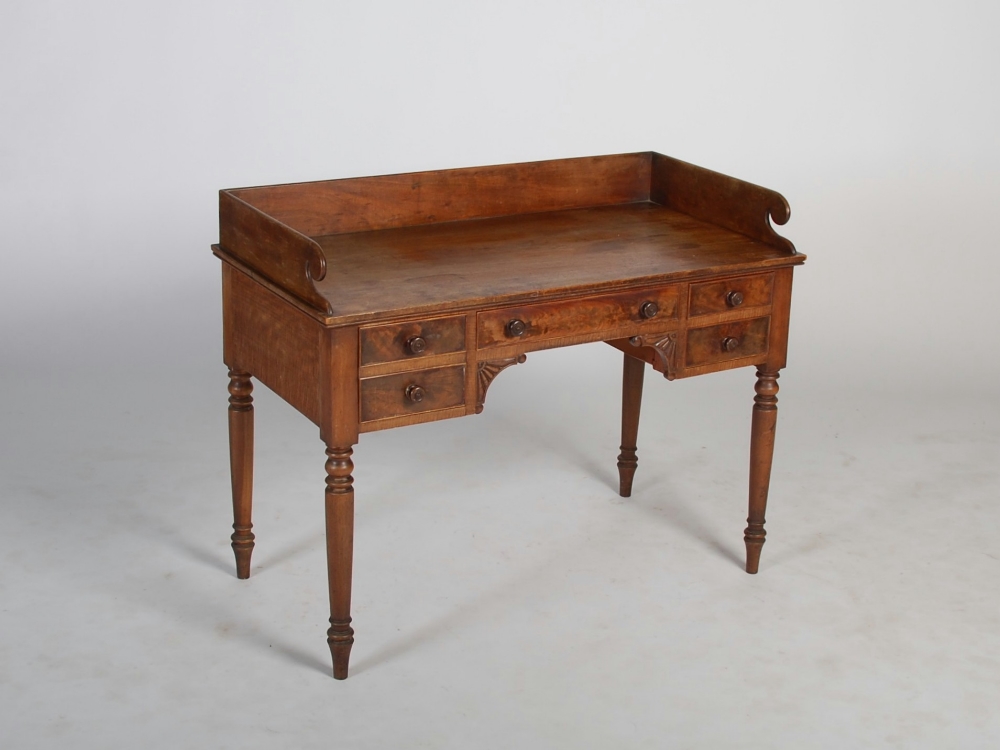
(664, 346)
(489, 370)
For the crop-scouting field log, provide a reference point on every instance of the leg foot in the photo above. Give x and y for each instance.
(631, 403)
(765, 418)
(340, 554)
(340, 637)
(241, 466)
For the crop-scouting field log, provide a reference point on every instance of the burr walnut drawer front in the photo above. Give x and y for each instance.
(730, 294)
(412, 392)
(550, 320)
(741, 338)
(418, 338)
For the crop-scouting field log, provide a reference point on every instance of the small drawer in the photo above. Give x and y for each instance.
(741, 338)
(551, 320)
(412, 392)
(419, 338)
(731, 294)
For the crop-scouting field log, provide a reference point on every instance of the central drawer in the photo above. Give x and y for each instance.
(412, 392)
(551, 320)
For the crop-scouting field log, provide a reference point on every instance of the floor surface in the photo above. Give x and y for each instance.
(505, 595)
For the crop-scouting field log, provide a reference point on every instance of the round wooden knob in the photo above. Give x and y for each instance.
(729, 344)
(734, 299)
(416, 345)
(649, 310)
(516, 328)
(414, 394)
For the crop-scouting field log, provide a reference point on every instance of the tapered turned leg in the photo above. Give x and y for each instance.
(339, 554)
(765, 417)
(631, 403)
(241, 466)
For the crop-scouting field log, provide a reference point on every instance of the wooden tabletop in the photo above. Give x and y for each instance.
(388, 272)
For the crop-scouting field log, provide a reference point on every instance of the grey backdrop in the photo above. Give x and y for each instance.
(502, 596)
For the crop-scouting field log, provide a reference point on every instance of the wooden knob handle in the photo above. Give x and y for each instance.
(734, 299)
(516, 328)
(649, 310)
(414, 394)
(416, 345)
(729, 344)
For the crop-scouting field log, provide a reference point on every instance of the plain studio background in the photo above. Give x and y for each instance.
(504, 594)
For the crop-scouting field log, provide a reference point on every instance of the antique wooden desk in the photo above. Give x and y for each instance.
(381, 302)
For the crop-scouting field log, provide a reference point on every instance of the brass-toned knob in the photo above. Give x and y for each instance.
(734, 299)
(416, 345)
(414, 394)
(516, 328)
(649, 310)
(729, 344)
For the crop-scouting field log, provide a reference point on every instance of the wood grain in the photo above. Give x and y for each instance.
(241, 467)
(388, 343)
(566, 318)
(720, 200)
(762, 429)
(717, 296)
(632, 376)
(289, 259)
(418, 198)
(386, 396)
(340, 555)
(435, 269)
(269, 337)
(705, 345)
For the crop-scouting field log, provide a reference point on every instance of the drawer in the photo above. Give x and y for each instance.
(730, 294)
(741, 338)
(419, 338)
(591, 315)
(412, 392)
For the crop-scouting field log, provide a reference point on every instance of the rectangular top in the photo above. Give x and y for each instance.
(373, 248)
(511, 258)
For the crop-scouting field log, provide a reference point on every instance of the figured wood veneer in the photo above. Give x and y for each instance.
(560, 319)
(707, 345)
(389, 343)
(730, 294)
(386, 396)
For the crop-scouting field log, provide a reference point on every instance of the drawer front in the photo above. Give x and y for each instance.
(731, 294)
(412, 392)
(741, 338)
(419, 338)
(594, 314)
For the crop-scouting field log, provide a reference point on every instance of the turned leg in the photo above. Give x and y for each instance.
(631, 402)
(241, 466)
(765, 417)
(339, 554)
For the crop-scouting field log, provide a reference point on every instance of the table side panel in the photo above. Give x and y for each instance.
(272, 340)
(720, 200)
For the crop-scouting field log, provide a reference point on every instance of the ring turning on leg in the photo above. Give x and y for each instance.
(765, 417)
(339, 554)
(241, 466)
